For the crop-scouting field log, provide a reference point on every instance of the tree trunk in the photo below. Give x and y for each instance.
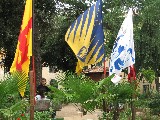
(116, 112)
(37, 54)
(133, 110)
(38, 65)
(104, 106)
(8, 61)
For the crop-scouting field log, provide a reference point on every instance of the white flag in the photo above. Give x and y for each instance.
(116, 79)
(123, 54)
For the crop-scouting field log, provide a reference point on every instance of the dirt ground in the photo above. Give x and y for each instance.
(71, 112)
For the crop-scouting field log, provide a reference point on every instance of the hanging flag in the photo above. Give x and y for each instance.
(24, 47)
(116, 79)
(123, 54)
(86, 38)
(131, 73)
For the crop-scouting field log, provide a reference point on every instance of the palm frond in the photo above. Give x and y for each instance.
(22, 80)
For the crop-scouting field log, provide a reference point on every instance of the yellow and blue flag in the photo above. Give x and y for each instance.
(86, 37)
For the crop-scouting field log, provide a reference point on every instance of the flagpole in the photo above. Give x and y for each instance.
(104, 72)
(32, 72)
(132, 81)
(33, 57)
(33, 62)
(104, 68)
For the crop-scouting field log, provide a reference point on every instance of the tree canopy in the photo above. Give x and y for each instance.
(53, 18)
(11, 15)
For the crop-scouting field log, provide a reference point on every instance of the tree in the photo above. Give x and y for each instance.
(147, 38)
(12, 14)
(43, 12)
(60, 53)
(53, 18)
(56, 51)
(11, 19)
(90, 94)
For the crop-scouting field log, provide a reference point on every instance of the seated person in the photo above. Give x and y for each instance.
(42, 89)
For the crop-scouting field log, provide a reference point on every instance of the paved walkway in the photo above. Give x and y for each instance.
(71, 112)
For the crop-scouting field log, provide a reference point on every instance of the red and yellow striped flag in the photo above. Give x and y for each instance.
(24, 47)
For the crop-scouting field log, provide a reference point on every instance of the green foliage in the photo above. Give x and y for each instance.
(44, 115)
(154, 104)
(120, 92)
(147, 106)
(90, 94)
(65, 58)
(14, 111)
(9, 94)
(79, 90)
(146, 74)
(147, 52)
(142, 102)
(12, 106)
(11, 19)
(147, 116)
(58, 98)
(149, 75)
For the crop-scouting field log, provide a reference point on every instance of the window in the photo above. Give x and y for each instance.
(145, 88)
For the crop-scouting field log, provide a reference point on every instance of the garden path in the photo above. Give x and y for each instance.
(71, 112)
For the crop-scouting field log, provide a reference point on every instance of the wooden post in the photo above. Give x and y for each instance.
(31, 77)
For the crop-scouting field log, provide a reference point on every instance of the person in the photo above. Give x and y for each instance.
(42, 89)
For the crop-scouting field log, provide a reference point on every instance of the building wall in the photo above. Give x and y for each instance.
(144, 86)
(48, 75)
(1, 72)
